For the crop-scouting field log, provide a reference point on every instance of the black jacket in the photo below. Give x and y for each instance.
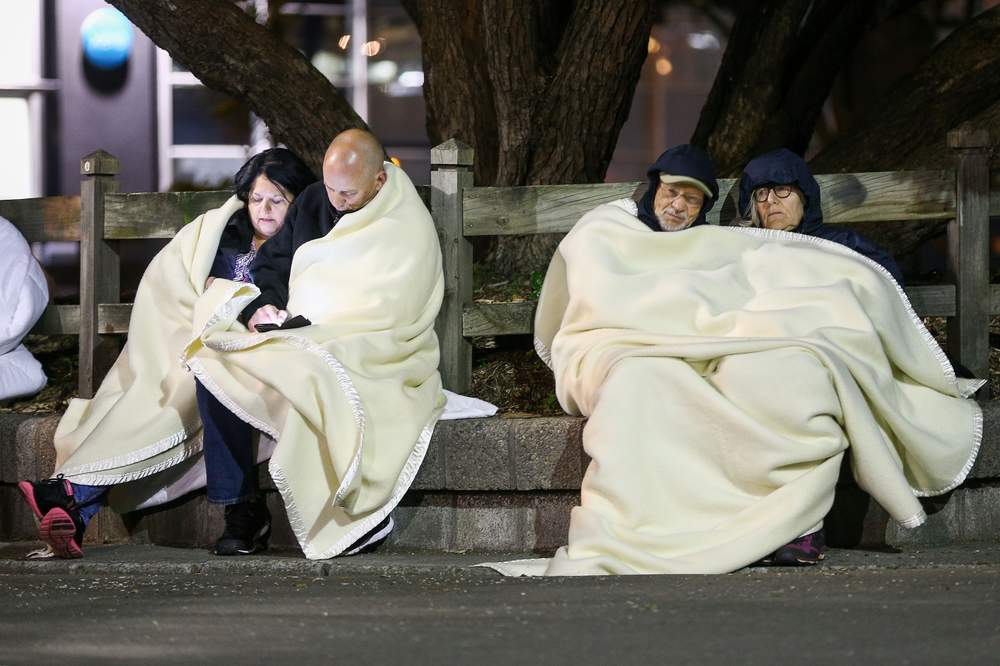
(310, 216)
(236, 239)
(783, 167)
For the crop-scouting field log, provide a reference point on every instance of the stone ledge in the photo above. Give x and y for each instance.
(525, 454)
(487, 484)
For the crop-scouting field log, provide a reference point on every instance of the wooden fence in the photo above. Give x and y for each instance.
(961, 198)
(101, 218)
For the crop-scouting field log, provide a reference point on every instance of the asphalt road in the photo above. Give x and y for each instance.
(932, 615)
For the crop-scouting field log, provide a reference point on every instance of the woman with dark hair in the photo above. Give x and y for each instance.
(266, 185)
(777, 191)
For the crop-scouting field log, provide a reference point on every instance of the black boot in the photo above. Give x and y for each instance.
(248, 528)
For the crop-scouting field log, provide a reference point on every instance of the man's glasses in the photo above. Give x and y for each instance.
(780, 191)
(690, 200)
(277, 200)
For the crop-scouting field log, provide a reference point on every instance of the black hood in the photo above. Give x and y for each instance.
(782, 167)
(683, 160)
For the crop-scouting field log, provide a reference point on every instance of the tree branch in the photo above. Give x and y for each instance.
(231, 53)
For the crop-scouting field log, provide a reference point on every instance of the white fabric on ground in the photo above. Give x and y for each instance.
(466, 407)
(23, 297)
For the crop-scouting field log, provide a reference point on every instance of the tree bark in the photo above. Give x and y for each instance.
(539, 90)
(958, 82)
(907, 129)
(229, 52)
(780, 64)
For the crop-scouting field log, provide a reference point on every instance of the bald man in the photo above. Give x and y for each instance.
(353, 173)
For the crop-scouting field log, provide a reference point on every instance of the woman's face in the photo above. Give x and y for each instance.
(268, 204)
(777, 212)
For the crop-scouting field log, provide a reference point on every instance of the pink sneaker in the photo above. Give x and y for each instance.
(60, 524)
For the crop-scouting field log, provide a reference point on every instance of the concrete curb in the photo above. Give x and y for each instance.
(495, 484)
(129, 560)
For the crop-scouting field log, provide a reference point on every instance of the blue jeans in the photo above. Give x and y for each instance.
(230, 456)
(230, 459)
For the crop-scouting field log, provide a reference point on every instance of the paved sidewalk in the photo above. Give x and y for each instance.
(129, 559)
(145, 604)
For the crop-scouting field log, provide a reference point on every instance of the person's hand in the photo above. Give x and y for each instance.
(208, 283)
(267, 314)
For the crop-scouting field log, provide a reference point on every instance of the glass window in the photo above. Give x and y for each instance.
(20, 41)
(324, 40)
(204, 173)
(208, 117)
(17, 167)
(396, 110)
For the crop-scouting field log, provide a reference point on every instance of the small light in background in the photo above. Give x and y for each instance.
(107, 38)
(703, 41)
(372, 48)
(653, 46)
(412, 78)
(343, 42)
(382, 71)
(395, 160)
(664, 67)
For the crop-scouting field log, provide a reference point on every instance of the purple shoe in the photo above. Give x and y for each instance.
(803, 552)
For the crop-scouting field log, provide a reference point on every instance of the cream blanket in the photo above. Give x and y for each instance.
(725, 372)
(351, 401)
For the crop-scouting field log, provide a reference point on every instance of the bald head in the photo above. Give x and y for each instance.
(353, 170)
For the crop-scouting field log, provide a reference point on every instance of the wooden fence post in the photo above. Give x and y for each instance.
(451, 172)
(968, 248)
(99, 269)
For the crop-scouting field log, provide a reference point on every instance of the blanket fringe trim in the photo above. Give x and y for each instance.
(235, 304)
(353, 399)
(914, 521)
(977, 434)
(343, 379)
(407, 474)
(193, 448)
(144, 453)
(932, 344)
(543, 353)
(403, 482)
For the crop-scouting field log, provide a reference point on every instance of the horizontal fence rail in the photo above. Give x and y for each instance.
(491, 319)
(469, 211)
(862, 197)
(148, 215)
(44, 219)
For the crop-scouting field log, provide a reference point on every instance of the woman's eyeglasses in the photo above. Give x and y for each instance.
(780, 191)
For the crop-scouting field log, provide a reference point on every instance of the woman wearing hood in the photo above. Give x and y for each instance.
(777, 191)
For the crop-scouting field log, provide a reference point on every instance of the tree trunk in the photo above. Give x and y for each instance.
(907, 129)
(780, 64)
(229, 52)
(539, 90)
(958, 82)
